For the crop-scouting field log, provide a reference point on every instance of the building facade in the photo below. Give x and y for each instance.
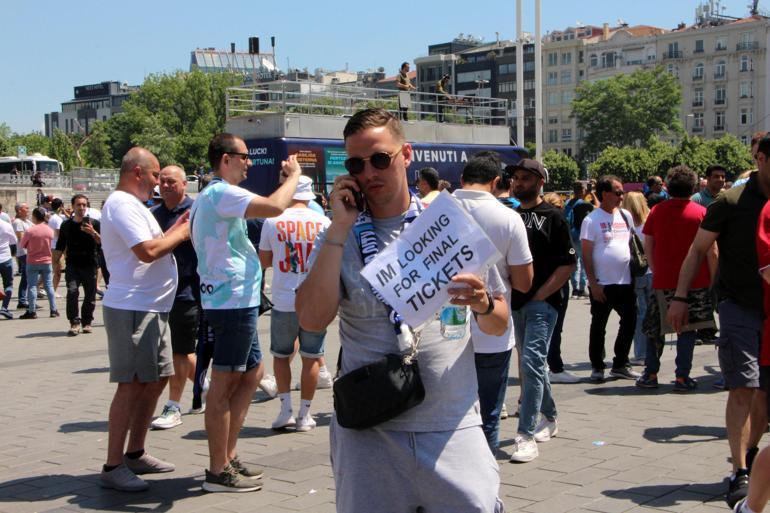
(91, 103)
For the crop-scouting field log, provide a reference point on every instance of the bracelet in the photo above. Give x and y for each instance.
(491, 306)
(334, 243)
(680, 299)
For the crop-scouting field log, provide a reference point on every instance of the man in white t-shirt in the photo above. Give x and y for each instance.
(605, 235)
(21, 224)
(230, 279)
(135, 312)
(285, 245)
(506, 229)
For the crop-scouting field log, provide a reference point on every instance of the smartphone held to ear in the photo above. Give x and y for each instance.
(358, 199)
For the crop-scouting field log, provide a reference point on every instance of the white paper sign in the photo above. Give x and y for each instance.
(413, 272)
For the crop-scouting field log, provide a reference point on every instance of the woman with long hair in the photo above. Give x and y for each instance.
(636, 203)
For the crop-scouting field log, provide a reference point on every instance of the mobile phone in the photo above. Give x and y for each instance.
(86, 220)
(359, 199)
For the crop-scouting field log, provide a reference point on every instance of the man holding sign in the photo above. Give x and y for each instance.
(433, 455)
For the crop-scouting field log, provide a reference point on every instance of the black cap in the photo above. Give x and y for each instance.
(531, 165)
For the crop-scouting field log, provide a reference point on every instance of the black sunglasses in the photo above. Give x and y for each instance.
(619, 193)
(242, 155)
(380, 160)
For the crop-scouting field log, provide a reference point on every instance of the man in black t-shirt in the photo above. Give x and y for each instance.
(79, 238)
(575, 210)
(535, 312)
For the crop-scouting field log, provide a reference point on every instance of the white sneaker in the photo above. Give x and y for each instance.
(545, 430)
(524, 449)
(268, 385)
(563, 377)
(325, 380)
(305, 423)
(503, 412)
(171, 417)
(284, 420)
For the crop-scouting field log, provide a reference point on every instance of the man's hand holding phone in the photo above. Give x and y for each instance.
(346, 201)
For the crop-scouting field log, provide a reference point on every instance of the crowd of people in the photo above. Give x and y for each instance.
(185, 287)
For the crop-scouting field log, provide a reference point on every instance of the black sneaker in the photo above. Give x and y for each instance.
(625, 373)
(28, 315)
(685, 385)
(55, 313)
(750, 455)
(22, 306)
(244, 471)
(229, 481)
(738, 487)
(647, 381)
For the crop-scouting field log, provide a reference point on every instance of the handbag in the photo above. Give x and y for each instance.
(639, 264)
(265, 305)
(378, 392)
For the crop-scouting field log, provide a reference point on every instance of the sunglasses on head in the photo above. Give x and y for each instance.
(380, 160)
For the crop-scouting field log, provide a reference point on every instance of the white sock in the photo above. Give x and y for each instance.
(285, 402)
(173, 404)
(745, 508)
(323, 370)
(304, 408)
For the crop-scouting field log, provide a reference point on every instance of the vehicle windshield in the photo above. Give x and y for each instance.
(48, 166)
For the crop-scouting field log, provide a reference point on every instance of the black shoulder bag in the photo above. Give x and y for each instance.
(639, 264)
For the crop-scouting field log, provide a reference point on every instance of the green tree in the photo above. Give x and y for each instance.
(95, 150)
(63, 150)
(35, 142)
(5, 140)
(732, 154)
(629, 163)
(563, 171)
(626, 110)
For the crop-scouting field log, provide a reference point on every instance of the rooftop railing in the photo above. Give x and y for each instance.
(343, 101)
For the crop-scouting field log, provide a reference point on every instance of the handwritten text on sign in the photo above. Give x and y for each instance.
(414, 271)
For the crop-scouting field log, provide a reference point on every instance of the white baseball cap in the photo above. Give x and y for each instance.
(304, 191)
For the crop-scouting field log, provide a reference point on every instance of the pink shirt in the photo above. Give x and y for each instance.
(37, 242)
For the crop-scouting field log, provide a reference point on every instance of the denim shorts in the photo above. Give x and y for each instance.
(740, 335)
(237, 346)
(284, 329)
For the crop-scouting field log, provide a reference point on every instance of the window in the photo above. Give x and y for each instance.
(580, 57)
(529, 66)
(594, 60)
(568, 152)
(553, 120)
(697, 72)
(553, 98)
(608, 60)
(746, 64)
(506, 87)
(721, 43)
(745, 139)
(507, 69)
(719, 120)
(566, 58)
(746, 41)
(719, 69)
(553, 136)
(697, 120)
(552, 79)
(699, 46)
(673, 69)
(553, 58)
(566, 97)
(746, 89)
(566, 134)
(472, 76)
(529, 84)
(566, 77)
(673, 51)
(720, 96)
(697, 98)
(747, 117)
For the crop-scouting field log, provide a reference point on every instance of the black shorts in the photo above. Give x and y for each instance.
(183, 322)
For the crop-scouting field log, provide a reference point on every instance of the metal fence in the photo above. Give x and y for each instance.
(94, 180)
(25, 180)
(342, 100)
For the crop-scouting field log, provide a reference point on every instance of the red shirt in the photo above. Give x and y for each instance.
(763, 257)
(673, 224)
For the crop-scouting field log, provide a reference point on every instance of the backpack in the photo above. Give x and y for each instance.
(569, 207)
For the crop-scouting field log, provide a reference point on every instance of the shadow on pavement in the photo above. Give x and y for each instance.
(628, 387)
(74, 427)
(670, 495)
(44, 334)
(85, 493)
(92, 370)
(685, 434)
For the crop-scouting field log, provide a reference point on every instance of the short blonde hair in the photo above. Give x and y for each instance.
(636, 203)
(554, 199)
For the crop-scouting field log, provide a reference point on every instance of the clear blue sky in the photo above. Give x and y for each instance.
(50, 46)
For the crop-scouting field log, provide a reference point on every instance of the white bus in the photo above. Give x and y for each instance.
(30, 164)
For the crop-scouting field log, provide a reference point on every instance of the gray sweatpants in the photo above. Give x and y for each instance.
(381, 471)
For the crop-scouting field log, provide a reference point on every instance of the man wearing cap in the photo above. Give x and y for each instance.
(536, 310)
(285, 245)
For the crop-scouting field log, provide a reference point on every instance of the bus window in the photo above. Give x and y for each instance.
(27, 165)
(48, 166)
(6, 168)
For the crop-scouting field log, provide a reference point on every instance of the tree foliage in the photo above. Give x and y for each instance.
(634, 164)
(563, 171)
(627, 109)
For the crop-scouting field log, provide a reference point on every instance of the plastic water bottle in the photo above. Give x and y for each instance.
(453, 321)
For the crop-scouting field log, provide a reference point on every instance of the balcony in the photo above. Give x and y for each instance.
(698, 50)
(720, 76)
(747, 45)
(697, 103)
(719, 128)
(698, 77)
(697, 129)
(674, 54)
(720, 101)
(720, 48)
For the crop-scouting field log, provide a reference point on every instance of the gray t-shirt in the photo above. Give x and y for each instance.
(447, 366)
